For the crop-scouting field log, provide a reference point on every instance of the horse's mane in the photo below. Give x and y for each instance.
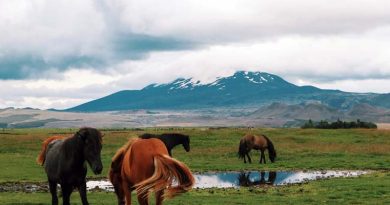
(45, 144)
(149, 135)
(118, 155)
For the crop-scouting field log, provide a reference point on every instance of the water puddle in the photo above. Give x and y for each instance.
(258, 178)
(211, 180)
(252, 178)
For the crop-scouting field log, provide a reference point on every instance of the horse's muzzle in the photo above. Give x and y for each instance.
(98, 169)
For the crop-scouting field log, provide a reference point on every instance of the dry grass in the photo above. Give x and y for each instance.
(383, 126)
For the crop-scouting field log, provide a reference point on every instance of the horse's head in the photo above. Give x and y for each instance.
(242, 149)
(272, 154)
(186, 143)
(92, 147)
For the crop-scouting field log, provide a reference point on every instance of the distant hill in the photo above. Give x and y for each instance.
(312, 111)
(243, 89)
(317, 112)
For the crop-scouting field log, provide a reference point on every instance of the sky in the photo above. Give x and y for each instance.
(61, 53)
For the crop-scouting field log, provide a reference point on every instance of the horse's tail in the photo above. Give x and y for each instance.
(242, 149)
(42, 154)
(271, 149)
(166, 169)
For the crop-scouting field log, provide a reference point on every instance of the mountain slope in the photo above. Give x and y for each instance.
(241, 89)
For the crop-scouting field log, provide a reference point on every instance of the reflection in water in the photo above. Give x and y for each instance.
(245, 180)
(257, 178)
(212, 179)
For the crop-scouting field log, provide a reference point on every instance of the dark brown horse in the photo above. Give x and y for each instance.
(64, 162)
(170, 140)
(144, 165)
(261, 143)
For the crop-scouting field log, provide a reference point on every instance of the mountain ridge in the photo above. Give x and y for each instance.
(242, 89)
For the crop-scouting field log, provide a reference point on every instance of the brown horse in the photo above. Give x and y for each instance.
(262, 142)
(144, 165)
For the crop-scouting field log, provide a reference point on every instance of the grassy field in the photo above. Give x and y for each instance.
(216, 149)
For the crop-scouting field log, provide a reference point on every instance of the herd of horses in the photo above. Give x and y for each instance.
(143, 164)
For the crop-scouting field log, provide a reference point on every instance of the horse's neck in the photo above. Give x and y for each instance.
(73, 148)
(177, 140)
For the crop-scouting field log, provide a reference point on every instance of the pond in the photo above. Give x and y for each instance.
(210, 180)
(249, 178)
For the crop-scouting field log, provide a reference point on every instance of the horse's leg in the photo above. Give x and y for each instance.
(83, 193)
(126, 192)
(159, 197)
(249, 158)
(66, 192)
(53, 191)
(143, 200)
(261, 156)
(119, 194)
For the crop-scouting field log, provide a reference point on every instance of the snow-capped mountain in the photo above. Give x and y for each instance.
(239, 90)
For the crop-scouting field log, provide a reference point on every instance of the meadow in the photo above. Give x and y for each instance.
(216, 150)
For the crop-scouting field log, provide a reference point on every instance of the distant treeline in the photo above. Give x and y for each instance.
(323, 124)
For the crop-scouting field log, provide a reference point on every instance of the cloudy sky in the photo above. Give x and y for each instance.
(60, 53)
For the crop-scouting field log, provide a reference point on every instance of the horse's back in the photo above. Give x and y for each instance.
(138, 162)
(254, 141)
(260, 141)
(53, 158)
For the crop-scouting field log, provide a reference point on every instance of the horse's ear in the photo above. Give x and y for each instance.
(82, 134)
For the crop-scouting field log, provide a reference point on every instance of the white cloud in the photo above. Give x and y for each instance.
(220, 20)
(327, 43)
(50, 28)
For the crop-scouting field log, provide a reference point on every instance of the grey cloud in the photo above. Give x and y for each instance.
(34, 66)
(122, 47)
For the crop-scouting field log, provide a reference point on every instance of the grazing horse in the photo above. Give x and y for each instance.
(144, 165)
(64, 162)
(262, 142)
(170, 140)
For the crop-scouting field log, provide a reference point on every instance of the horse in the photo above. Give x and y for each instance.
(144, 165)
(262, 142)
(64, 161)
(244, 179)
(170, 140)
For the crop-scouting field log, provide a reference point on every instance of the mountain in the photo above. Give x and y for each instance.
(243, 89)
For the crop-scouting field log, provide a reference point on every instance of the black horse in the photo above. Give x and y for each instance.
(170, 140)
(64, 162)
